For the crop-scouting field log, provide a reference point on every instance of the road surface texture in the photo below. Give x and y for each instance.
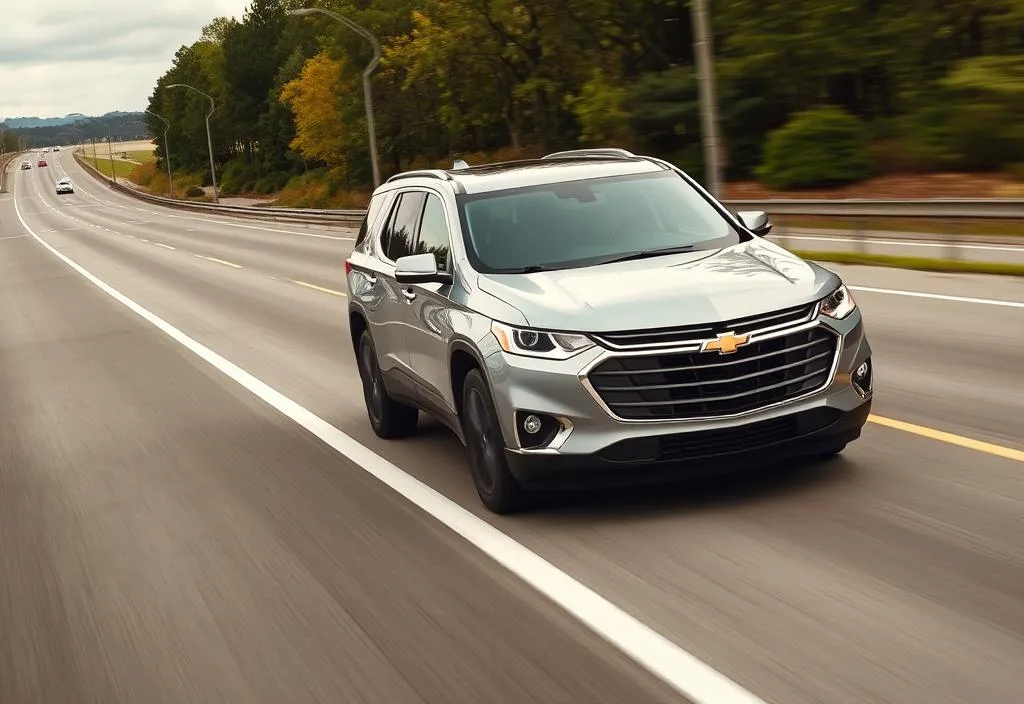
(166, 537)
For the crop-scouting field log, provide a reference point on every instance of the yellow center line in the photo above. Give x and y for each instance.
(218, 261)
(942, 436)
(319, 288)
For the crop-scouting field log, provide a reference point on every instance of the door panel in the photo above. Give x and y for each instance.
(429, 307)
(390, 329)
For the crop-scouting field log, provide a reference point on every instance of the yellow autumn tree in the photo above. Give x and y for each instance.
(313, 100)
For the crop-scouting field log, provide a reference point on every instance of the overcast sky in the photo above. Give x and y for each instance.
(93, 56)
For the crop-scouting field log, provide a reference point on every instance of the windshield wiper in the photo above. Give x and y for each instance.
(644, 253)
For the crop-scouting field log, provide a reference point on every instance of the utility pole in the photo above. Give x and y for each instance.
(704, 58)
(110, 153)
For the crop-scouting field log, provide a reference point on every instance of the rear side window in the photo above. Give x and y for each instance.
(397, 240)
(376, 203)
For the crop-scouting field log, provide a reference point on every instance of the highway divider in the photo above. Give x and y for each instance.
(5, 162)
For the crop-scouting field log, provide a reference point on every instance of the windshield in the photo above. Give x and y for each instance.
(595, 221)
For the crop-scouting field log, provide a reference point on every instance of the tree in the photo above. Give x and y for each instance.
(312, 97)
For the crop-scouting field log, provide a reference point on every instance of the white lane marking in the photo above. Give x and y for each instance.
(939, 296)
(906, 243)
(17, 237)
(165, 246)
(681, 670)
(218, 261)
(321, 289)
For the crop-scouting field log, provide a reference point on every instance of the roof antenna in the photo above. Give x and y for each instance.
(460, 164)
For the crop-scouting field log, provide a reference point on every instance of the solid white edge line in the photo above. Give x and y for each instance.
(938, 296)
(661, 657)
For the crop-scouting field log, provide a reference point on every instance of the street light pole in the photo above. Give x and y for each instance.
(367, 93)
(167, 151)
(209, 139)
(706, 84)
(110, 153)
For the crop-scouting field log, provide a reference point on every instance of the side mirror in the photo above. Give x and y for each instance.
(420, 269)
(756, 221)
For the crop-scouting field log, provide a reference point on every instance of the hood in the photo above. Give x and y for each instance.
(682, 289)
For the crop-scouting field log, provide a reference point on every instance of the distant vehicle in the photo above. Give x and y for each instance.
(56, 149)
(65, 186)
(26, 165)
(42, 162)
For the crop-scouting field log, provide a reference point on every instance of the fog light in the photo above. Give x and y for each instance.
(532, 424)
(535, 430)
(862, 378)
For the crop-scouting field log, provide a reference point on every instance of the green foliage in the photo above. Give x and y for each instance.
(194, 192)
(930, 85)
(820, 147)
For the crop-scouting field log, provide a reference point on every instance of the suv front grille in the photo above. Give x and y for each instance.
(687, 385)
(694, 334)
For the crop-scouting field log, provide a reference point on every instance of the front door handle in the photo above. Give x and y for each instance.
(409, 295)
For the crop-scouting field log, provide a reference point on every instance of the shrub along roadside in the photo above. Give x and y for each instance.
(821, 147)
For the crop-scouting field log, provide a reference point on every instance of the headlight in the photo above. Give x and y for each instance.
(535, 343)
(839, 303)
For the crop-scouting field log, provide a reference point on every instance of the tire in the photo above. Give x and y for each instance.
(388, 418)
(498, 489)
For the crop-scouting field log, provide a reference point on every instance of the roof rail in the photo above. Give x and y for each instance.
(421, 173)
(601, 151)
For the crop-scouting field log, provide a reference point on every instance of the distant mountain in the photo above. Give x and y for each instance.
(73, 128)
(22, 122)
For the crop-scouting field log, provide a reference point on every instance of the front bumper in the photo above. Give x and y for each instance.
(597, 449)
(650, 460)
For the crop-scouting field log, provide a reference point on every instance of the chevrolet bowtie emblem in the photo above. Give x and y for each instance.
(725, 343)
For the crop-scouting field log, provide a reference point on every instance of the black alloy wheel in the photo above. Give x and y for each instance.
(498, 489)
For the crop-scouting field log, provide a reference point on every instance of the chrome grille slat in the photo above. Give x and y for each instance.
(681, 385)
(657, 370)
(692, 334)
(788, 382)
(752, 375)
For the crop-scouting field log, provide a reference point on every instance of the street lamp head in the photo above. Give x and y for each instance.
(302, 12)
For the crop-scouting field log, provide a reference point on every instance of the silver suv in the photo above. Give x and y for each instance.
(595, 318)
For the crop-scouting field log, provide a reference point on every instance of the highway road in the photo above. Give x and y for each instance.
(193, 507)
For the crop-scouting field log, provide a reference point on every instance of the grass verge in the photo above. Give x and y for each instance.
(918, 263)
(122, 168)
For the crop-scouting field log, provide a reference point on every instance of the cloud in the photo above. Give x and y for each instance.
(94, 56)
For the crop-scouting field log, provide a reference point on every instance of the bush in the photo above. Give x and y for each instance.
(962, 136)
(821, 147)
(194, 192)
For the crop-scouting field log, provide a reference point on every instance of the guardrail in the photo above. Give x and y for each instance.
(941, 208)
(5, 162)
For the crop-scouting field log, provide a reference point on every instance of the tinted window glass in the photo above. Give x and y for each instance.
(583, 223)
(434, 232)
(402, 229)
(371, 214)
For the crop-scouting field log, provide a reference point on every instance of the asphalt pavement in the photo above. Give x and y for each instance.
(165, 536)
